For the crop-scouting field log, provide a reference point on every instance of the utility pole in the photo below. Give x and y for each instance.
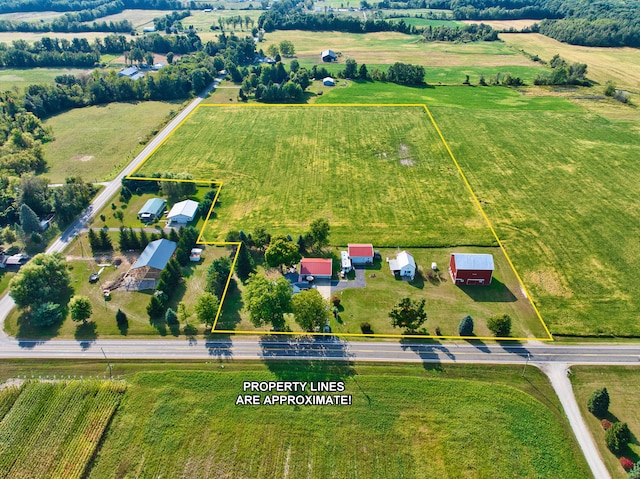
(525, 364)
(108, 365)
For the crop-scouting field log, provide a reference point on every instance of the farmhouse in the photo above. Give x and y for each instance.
(466, 268)
(404, 265)
(183, 212)
(151, 210)
(321, 268)
(328, 81)
(145, 272)
(361, 253)
(329, 56)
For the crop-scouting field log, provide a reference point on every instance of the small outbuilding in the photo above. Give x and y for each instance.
(183, 212)
(345, 262)
(328, 81)
(329, 56)
(152, 210)
(469, 269)
(361, 253)
(195, 255)
(404, 265)
(145, 272)
(318, 268)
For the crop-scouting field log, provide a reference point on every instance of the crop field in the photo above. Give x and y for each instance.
(623, 385)
(563, 206)
(30, 16)
(139, 18)
(379, 175)
(621, 65)
(391, 47)
(97, 141)
(53, 429)
(406, 421)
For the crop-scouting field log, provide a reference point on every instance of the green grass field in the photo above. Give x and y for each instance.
(20, 78)
(405, 421)
(97, 141)
(623, 385)
(53, 429)
(379, 175)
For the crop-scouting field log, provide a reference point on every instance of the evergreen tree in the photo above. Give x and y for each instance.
(598, 403)
(94, 242)
(123, 240)
(105, 241)
(155, 308)
(171, 317)
(244, 264)
(134, 242)
(144, 239)
(465, 328)
(29, 220)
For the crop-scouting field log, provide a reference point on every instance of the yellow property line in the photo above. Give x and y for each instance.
(238, 245)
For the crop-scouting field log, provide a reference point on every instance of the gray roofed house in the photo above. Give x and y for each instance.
(404, 265)
(145, 272)
(183, 212)
(152, 209)
(128, 72)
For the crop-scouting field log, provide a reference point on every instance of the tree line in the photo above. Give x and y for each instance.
(607, 23)
(11, 6)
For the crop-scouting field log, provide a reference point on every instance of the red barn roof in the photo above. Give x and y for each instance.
(361, 250)
(316, 267)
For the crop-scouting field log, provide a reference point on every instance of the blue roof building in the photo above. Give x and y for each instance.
(145, 272)
(152, 209)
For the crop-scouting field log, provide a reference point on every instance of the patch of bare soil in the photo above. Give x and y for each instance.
(405, 155)
(83, 158)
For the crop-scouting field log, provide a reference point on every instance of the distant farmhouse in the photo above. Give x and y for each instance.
(183, 212)
(329, 56)
(404, 265)
(145, 272)
(318, 268)
(132, 72)
(466, 268)
(152, 210)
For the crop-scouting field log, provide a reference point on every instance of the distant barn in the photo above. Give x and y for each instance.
(469, 269)
(329, 56)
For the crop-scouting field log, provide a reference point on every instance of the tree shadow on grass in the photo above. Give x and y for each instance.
(28, 331)
(86, 333)
(230, 314)
(304, 358)
(123, 327)
(160, 324)
(496, 292)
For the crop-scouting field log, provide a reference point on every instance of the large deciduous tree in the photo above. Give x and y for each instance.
(500, 325)
(281, 251)
(319, 232)
(598, 403)
(217, 276)
(207, 308)
(267, 301)
(80, 308)
(311, 310)
(408, 314)
(43, 279)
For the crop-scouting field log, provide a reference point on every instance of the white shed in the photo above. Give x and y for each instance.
(183, 212)
(328, 81)
(404, 265)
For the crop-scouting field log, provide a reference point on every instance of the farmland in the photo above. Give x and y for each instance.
(95, 142)
(327, 162)
(23, 77)
(622, 383)
(53, 429)
(175, 423)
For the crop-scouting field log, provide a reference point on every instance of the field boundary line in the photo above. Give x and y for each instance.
(201, 239)
(486, 218)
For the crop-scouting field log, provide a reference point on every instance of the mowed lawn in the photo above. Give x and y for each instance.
(623, 385)
(96, 142)
(378, 175)
(404, 421)
(561, 191)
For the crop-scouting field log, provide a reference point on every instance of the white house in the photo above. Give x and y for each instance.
(328, 81)
(404, 265)
(183, 212)
(361, 253)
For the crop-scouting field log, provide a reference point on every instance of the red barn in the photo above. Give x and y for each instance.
(316, 267)
(470, 269)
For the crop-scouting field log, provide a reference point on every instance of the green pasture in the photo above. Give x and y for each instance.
(96, 142)
(425, 22)
(560, 189)
(459, 97)
(623, 385)
(410, 422)
(20, 78)
(30, 16)
(378, 175)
